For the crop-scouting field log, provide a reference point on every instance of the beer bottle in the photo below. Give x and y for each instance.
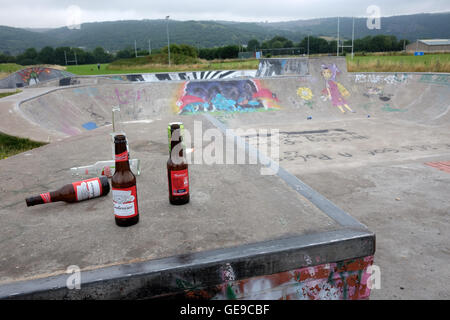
(105, 168)
(177, 167)
(123, 184)
(74, 192)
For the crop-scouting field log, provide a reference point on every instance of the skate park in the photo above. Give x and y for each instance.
(361, 155)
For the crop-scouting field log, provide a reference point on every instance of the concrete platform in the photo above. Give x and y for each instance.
(233, 209)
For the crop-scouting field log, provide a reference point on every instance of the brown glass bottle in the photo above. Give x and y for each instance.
(123, 184)
(177, 167)
(74, 192)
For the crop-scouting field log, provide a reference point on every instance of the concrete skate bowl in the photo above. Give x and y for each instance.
(73, 110)
(415, 98)
(32, 76)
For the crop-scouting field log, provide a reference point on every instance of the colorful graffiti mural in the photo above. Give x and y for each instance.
(345, 280)
(334, 90)
(180, 76)
(225, 96)
(32, 76)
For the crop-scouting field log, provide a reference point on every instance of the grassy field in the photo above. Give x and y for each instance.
(399, 63)
(7, 68)
(91, 69)
(5, 94)
(10, 145)
(374, 62)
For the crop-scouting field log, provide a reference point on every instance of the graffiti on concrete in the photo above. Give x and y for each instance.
(435, 79)
(388, 108)
(115, 96)
(225, 96)
(282, 67)
(345, 280)
(306, 96)
(183, 76)
(380, 78)
(334, 90)
(32, 76)
(377, 91)
(440, 165)
(298, 156)
(68, 81)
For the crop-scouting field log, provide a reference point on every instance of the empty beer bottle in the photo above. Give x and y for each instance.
(123, 184)
(177, 167)
(74, 192)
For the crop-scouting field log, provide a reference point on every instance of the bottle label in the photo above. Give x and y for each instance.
(125, 202)
(87, 189)
(180, 182)
(122, 156)
(46, 197)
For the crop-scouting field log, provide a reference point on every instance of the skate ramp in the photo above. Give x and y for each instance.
(415, 98)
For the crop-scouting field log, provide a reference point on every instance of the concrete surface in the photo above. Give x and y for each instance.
(370, 163)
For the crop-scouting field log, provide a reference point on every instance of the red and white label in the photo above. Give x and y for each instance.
(46, 197)
(180, 182)
(87, 189)
(122, 156)
(125, 202)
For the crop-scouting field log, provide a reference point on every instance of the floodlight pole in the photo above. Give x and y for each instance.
(135, 48)
(337, 54)
(308, 42)
(353, 34)
(168, 42)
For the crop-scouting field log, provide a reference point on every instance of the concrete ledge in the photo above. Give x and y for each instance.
(152, 278)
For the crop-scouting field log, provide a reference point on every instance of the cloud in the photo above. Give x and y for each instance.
(53, 13)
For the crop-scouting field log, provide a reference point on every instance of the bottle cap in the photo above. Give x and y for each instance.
(120, 138)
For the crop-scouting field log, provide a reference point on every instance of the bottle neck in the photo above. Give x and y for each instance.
(121, 157)
(52, 196)
(176, 149)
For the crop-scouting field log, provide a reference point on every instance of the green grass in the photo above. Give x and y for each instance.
(5, 94)
(400, 63)
(10, 145)
(115, 68)
(10, 67)
(7, 68)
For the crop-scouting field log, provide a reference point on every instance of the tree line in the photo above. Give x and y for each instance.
(59, 56)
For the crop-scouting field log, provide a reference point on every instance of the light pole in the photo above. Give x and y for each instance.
(309, 31)
(168, 42)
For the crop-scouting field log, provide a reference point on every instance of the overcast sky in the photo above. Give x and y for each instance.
(58, 13)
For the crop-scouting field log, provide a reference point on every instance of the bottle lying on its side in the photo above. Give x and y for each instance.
(73, 192)
(104, 168)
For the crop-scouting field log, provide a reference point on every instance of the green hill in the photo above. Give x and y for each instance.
(116, 35)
